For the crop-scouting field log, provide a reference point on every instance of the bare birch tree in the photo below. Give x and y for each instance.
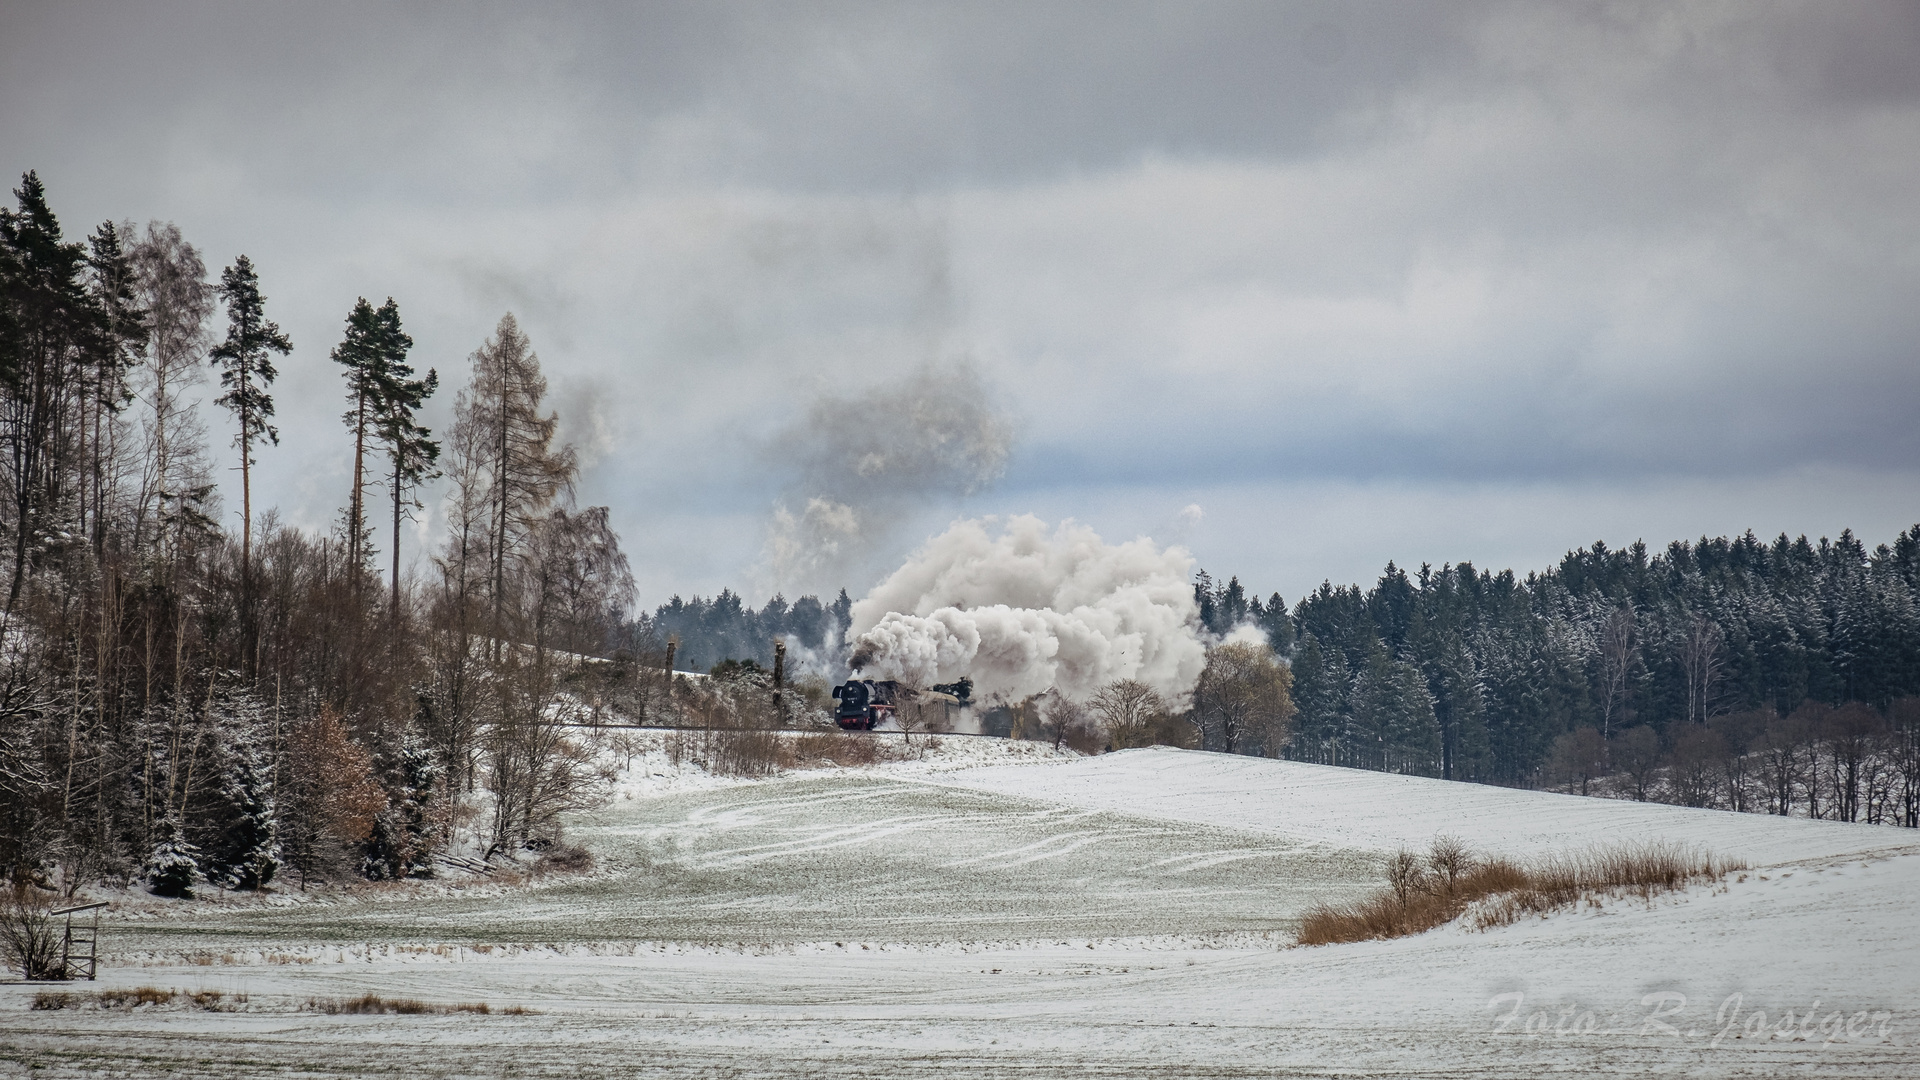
(1616, 663)
(1702, 657)
(174, 484)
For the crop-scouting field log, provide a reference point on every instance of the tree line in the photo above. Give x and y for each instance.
(708, 631)
(1778, 677)
(181, 705)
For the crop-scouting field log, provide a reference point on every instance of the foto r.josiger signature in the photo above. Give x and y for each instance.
(1664, 1015)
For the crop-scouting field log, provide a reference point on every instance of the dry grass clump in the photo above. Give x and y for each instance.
(750, 752)
(1425, 891)
(136, 997)
(727, 751)
(745, 752)
(208, 1000)
(1635, 871)
(374, 1004)
(563, 858)
(219, 1001)
(835, 748)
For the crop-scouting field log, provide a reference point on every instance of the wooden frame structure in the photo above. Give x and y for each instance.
(71, 956)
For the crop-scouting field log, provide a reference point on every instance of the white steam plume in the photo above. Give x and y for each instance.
(1024, 609)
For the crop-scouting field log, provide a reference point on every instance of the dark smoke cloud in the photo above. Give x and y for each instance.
(863, 462)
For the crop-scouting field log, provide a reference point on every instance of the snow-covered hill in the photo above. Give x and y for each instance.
(1353, 808)
(976, 915)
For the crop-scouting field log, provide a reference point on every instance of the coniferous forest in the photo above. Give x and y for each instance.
(183, 702)
(1733, 673)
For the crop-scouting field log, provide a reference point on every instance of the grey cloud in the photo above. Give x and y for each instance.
(1242, 243)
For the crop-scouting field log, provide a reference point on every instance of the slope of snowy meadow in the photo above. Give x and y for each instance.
(992, 908)
(1358, 809)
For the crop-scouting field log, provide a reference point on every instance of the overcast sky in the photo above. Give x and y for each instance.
(1428, 282)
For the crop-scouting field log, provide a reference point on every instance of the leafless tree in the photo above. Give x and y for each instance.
(1579, 757)
(1244, 699)
(29, 937)
(1904, 752)
(1702, 653)
(513, 473)
(171, 283)
(1617, 653)
(1743, 762)
(580, 583)
(536, 769)
(1407, 874)
(1693, 775)
(1784, 748)
(1636, 753)
(1126, 709)
(1851, 733)
(1065, 720)
(1448, 860)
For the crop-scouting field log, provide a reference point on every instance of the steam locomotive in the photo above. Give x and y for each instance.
(864, 704)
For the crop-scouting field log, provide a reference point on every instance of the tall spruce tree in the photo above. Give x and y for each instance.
(246, 370)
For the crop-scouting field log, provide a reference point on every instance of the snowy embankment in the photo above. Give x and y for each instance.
(651, 769)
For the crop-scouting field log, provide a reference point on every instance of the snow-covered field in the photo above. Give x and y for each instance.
(997, 909)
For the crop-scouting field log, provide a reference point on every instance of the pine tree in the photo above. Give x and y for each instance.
(1203, 600)
(248, 853)
(246, 370)
(842, 611)
(402, 841)
(1278, 624)
(172, 867)
(119, 341)
(49, 323)
(1320, 683)
(410, 449)
(360, 352)
(1393, 712)
(1232, 604)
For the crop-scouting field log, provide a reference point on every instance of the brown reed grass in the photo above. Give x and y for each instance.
(207, 1000)
(812, 750)
(374, 1004)
(1423, 892)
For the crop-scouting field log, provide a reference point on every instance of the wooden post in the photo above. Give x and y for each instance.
(779, 679)
(673, 645)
